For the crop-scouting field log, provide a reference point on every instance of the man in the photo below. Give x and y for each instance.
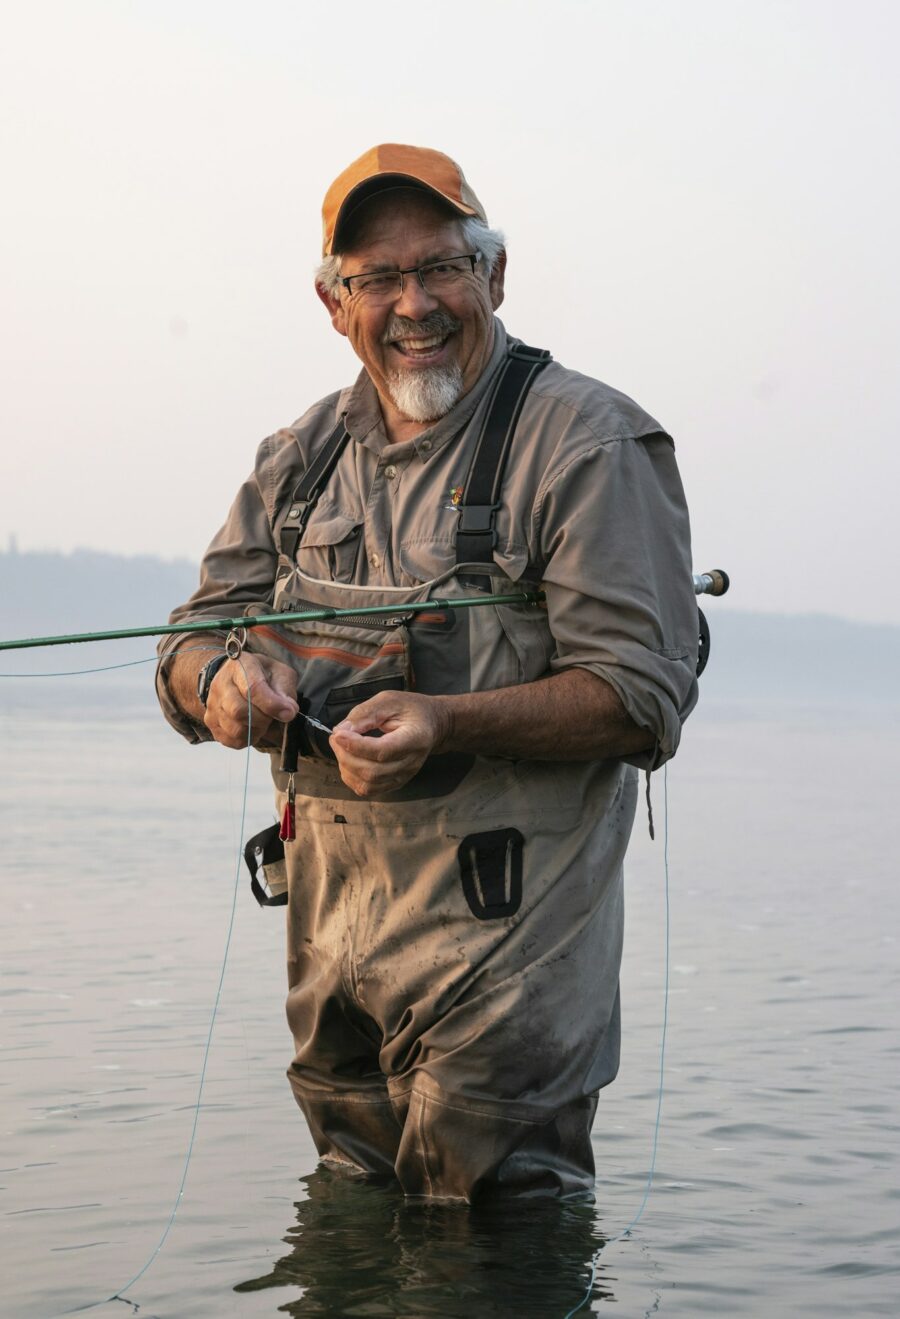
(455, 878)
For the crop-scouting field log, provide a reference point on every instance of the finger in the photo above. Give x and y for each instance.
(272, 692)
(230, 716)
(367, 748)
(358, 773)
(359, 724)
(231, 708)
(370, 771)
(283, 680)
(371, 715)
(231, 729)
(375, 787)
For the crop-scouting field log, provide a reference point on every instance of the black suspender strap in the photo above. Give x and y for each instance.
(476, 533)
(309, 488)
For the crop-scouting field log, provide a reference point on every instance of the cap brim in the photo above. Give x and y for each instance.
(370, 187)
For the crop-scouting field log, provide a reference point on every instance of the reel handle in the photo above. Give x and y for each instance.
(714, 582)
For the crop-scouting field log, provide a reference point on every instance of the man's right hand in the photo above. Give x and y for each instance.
(272, 689)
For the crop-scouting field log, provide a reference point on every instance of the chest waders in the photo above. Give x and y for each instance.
(454, 947)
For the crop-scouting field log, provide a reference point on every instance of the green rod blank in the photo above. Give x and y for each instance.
(307, 616)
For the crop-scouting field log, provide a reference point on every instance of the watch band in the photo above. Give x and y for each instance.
(206, 675)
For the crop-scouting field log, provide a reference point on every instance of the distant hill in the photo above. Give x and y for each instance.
(805, 660)
(44, 592)
(48, 593)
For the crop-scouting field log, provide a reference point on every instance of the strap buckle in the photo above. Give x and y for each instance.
(298, 512)
(293, 527)
(477, 520)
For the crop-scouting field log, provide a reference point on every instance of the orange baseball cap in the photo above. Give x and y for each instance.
(393, 165)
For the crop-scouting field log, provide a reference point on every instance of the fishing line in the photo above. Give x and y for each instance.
(104, 668)
(117, 1295)
(626, 1232)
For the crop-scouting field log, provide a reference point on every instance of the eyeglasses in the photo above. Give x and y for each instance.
(436, 277)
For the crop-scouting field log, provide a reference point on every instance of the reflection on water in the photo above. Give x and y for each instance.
(359, 1248)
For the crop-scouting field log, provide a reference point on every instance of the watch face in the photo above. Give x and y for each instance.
(206, 675)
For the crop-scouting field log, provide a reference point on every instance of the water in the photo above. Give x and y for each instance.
(776, 1186)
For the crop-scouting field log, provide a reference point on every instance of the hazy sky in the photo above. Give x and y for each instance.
(701, 205)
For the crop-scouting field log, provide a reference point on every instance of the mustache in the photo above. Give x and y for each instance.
(436, 322)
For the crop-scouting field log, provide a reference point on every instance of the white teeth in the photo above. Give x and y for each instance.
(420, 345)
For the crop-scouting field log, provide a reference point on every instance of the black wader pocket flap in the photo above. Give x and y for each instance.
(341, 700)
(491, 868)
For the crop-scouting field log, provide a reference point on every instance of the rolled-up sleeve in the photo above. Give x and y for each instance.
(615, 540)
(237, 570)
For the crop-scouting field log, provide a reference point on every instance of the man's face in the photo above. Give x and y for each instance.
(422, 352)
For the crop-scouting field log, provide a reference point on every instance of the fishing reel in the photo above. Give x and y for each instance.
(715, 582)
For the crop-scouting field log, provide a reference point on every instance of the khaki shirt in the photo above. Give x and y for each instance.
(592, 507)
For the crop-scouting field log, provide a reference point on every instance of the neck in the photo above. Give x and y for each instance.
(397, 427)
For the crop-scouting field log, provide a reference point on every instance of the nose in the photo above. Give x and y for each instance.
(415, 302)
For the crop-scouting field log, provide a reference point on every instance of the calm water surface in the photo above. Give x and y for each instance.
(777, 1182)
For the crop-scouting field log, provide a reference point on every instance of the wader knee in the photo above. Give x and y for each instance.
(458, 1149)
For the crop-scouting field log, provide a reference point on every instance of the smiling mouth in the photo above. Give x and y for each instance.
(423, 348)
(424, 342)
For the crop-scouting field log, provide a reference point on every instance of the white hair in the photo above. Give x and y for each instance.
(477, 236)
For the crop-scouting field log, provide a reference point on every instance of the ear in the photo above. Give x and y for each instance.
(497, 280)
(335, 309)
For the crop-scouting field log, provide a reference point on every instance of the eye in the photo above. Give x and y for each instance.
(378, 283)
(441, 274)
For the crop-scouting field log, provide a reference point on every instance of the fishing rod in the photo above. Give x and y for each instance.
(714, 582)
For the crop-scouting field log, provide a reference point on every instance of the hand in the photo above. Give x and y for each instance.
(412, 728)
(272, 687)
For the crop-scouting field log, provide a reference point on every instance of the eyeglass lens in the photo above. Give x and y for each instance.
(436, 277)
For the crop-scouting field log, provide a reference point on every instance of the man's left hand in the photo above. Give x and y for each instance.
(411, 728)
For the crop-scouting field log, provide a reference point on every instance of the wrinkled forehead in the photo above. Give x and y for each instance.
(398, 214)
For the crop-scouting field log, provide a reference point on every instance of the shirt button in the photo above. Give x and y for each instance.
(374, 560)
(425, 446)
(390, 472)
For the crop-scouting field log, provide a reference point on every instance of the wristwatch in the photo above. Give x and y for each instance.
(206, 675)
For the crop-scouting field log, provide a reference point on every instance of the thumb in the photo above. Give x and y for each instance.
(367, 716)
(283, 682)
(273, 690)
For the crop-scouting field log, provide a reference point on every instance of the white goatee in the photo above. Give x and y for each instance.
(427, 393)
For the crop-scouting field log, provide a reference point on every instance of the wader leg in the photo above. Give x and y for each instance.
(453, 1150)
(337, 1081)
(335, 1075)
(356, 1129)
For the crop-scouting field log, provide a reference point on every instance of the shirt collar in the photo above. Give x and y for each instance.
(363, 419)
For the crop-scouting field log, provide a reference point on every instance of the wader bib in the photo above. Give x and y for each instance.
(454, 947)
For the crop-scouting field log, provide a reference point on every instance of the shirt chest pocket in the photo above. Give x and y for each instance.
(329, 549)
(426, 559)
